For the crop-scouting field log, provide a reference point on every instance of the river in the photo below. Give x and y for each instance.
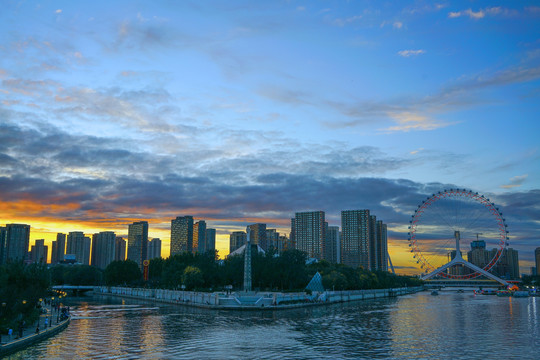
(420, 326)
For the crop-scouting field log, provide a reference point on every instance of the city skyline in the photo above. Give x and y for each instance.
(242, 113)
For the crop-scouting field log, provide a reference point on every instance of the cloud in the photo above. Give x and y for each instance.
(345, 21)
(480, 14)
(397, 25)
(515, 182)
(409, 53)
(58, 11)
(407, 121)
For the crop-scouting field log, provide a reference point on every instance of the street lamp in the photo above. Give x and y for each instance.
(183, 288)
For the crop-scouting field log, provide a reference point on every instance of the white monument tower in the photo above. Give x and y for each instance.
(247, 262)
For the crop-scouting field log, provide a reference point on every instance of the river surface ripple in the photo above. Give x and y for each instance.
(420, 326)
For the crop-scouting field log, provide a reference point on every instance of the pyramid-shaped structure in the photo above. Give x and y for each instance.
(316, 283)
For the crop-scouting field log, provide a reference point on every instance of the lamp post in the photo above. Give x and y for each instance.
(183, 288)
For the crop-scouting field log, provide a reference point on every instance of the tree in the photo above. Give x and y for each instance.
(122, 273)
(20, 288)
(192, 277)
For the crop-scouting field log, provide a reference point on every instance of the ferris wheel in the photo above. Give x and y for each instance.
(451, 221)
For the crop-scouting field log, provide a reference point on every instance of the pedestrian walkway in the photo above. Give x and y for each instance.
(49, 324)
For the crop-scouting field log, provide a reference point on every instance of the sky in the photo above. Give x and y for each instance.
(238, 112)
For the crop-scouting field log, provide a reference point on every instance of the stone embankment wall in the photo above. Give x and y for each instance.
(251, 300)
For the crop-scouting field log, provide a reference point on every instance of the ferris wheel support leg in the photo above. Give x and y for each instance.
(473, 267)
(390, 262)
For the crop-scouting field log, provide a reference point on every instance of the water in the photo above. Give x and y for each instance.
(419, 326)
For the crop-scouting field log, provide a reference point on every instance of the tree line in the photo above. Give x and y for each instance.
(21, 287)
(286, 272)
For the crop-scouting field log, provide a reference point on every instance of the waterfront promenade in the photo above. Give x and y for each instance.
(49, 324)
(252, 300)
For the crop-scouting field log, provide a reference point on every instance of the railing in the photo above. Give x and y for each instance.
(257, 300)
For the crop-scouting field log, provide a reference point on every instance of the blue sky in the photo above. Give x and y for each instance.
(237, 112)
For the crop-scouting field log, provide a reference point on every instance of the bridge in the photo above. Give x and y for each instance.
(450, 283)
(74, 289)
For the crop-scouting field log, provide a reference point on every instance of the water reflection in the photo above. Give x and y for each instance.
(449, 326)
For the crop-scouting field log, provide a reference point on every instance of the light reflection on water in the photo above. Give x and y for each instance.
(421, 326)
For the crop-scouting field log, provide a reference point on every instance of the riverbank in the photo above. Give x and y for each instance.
(251, 300)
(30, 337)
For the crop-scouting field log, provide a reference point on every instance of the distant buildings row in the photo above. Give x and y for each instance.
(105, 247)
(506, 268)
(362, 240)
(100, 250)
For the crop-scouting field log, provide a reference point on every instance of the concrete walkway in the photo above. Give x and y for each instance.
(30, 335)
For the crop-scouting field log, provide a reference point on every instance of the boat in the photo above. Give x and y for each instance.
(521, 294)
(504, 293)
(434, 293)
(461, 291)
(485, 292)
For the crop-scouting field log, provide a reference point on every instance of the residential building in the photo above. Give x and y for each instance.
(3, 232)
(309, 233)
(355, 235)
(332, 244)
(292, 238)
(137, 246)
(103, 249)
(78, 245)
(58, 248)
(120, 249)
(39, 252)
(16, 242)
(199, 237)
(236, 240)
(478, 255)
(272, 238)
(373, 246)
(537, 258)
(258, 235)
(508, 265)
(154, 248)
(382, 246)
(181, 235)
(210, 239)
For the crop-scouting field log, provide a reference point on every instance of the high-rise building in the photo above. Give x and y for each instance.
(236, 240)
(154, 248)
(332, 244)
(537, 258)
(478, 255)
(181, 235)
(16, 242)
(58, 248)
(508, 265)
(103, 249)
(272, 238)
(39, 252)
(355, 235)
(382, 246)
(258, 235)
(210, 239)
(199, 237)
(373, 248)
(137, 247)
(3, 232)
(309, 232)
(79, 245)
(120, 249)
(292, 238)
(283, 244)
